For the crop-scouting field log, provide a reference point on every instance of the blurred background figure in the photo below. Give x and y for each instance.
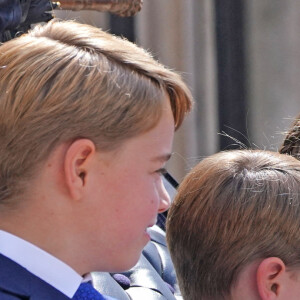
(291, 143)
(17, 16)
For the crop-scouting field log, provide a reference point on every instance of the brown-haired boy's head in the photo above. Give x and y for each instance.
(234, 227)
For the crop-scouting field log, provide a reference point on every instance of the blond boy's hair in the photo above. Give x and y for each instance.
(63, 81)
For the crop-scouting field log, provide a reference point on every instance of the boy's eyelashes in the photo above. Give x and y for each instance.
(162, 171)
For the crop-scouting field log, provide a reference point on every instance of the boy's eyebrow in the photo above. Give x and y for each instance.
(163, 158)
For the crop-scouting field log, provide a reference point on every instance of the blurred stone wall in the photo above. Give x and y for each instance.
(180, 34)
(273, 58)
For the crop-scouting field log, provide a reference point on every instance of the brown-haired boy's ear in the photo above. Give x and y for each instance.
(271, 279)
(78, 159)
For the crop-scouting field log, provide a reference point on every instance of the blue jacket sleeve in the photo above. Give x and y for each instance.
(10, 14)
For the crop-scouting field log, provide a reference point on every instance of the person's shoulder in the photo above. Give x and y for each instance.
(7, 295)
(18, 283)
(13, 279)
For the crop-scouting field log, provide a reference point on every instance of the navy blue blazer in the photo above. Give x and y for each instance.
(18, 283)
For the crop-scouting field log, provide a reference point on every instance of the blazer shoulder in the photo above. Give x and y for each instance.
(8, 295)
(18, 283)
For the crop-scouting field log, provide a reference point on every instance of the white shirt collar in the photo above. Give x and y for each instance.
(40, 263)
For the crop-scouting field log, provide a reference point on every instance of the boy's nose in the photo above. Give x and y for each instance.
(165, 200)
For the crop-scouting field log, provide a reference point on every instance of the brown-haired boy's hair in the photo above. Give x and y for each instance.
(232, 209)
(291, 143)
(64, 81)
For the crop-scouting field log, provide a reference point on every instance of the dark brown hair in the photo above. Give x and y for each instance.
(291, 143)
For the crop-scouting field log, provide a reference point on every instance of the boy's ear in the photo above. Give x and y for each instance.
(76, 165)
(271, 277)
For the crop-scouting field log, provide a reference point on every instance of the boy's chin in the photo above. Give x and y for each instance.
(126, 264)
